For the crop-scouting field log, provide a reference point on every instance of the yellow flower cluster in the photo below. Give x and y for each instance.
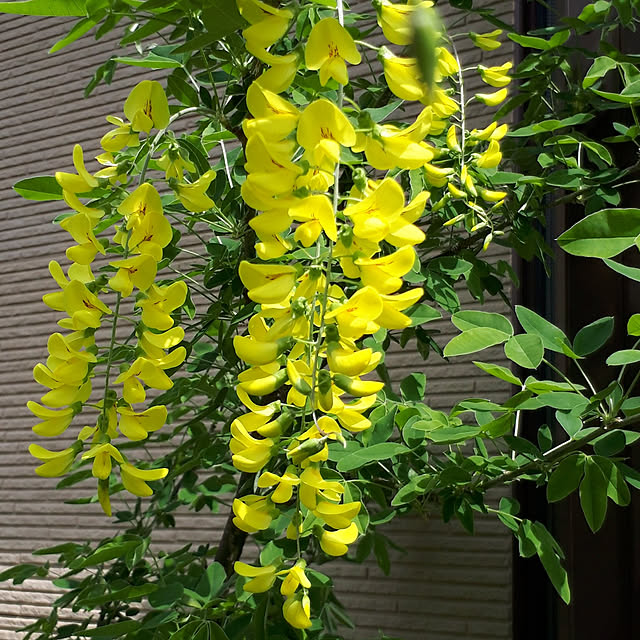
(332, 266)
(74, 359)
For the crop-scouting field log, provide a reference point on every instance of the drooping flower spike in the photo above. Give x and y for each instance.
(141, 236)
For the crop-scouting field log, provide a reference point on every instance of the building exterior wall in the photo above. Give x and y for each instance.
(447, 585)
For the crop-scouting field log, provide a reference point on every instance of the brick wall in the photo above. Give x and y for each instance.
(447, 584)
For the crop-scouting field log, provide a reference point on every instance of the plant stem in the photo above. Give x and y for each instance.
(556, 453)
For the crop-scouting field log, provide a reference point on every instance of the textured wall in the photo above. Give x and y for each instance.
(447, 584)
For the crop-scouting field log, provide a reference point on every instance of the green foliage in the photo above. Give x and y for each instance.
(413, 458)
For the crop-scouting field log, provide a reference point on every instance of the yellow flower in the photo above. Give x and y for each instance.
(147, 107)
(262, 578)
(80, 183)
(160, 302)
(443, 106)
(492, 196)
(273, 117)
(253, 513)
(350, 415)
(395, 20)
(316, 215)
(334, 543)
(351, 362)
(268, 25)
(103, 496)
(296, 577)
(328, 47)
(139, 204)
(392, 306)
(74, 202)
(285, 484)
(321, 130)
(403, 76)
(446, 64)
(151, 372)
(55, 463)
(491, 157)
(267, 283)
(174, 164)
(337, 516)
(356, 316)
(53, 422)
(83, 307)
(270, 170)
(313, 485)
(261, 381)
(102, 454)
(280, 76)
(139, 272)
(496, 76)
(249, 454)
(155, 344)
(135, 480)
(122, 136)
(297, 610)
(437, 176)
(385, 273)
(492, 99)
(137, 426)
(193, 195)
(373, 216)
(486, 41)
(81, 229)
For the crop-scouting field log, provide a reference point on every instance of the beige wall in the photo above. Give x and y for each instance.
(447, 585)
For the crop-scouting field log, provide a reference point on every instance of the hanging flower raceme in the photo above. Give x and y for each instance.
(332, 266)
(75, 358)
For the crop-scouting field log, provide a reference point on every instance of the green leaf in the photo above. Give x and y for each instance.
(610, 443)
(548, 552)
(466, 320)
(629, 95)
(216, 632)
(383, 423)
(108, 551)
(633, 325)
(39, 188)
(600, 67)
(590, 338)
(77, 31)
(361, 457)
(529, 42)
(617, 488)
(552, 337)
(150, 61)
(565, 478)
(423, 313)
(21, 572)
(115, 630)
(593, 495)
(45, 8)
(187, 632)
(221, 18)
(542, 386)
(498, 372)
(629, 272)
(602, 234)
(451, 435)
(570, 421)
(474, 340)
(563, 400)
(622, 357)
(167, 596)
(413, 387)
(525, 350)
